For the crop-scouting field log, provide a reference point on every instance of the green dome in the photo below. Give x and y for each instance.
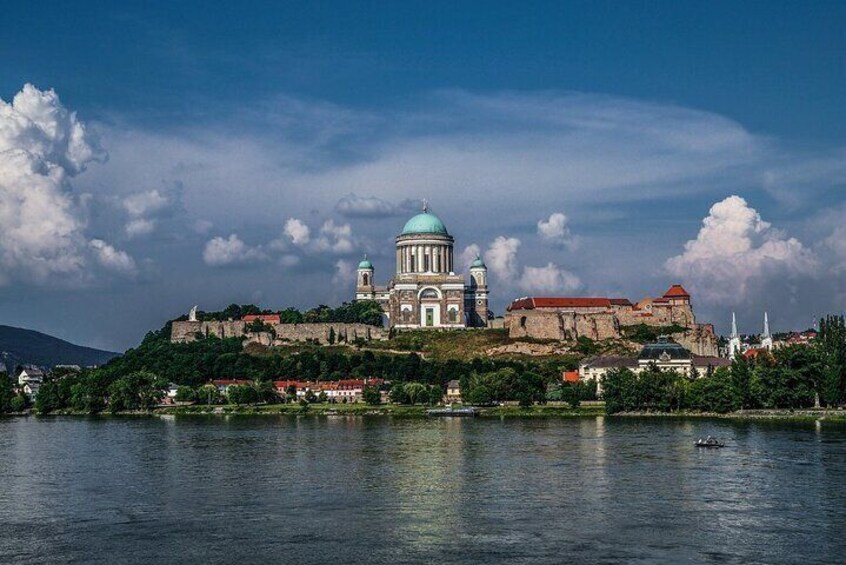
(425, 222)
(365, 264)
(478, 263)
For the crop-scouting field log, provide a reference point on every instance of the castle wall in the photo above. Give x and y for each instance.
(184, 332)
(599, 324)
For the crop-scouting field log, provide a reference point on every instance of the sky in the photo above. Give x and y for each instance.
(158, 155)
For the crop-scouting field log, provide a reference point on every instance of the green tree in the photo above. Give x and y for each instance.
(242, 394)
(398, 394)
(714, 394)
(185, 394)
(371, 395)
(831, 344)
(7, 393)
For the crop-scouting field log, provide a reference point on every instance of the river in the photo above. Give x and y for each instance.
(342, 490)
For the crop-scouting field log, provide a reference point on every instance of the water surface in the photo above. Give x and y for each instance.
(380, 490)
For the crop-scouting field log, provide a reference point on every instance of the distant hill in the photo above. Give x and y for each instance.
(19, 346)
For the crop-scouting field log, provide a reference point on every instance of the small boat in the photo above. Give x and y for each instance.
(709, 442)
(451, 412)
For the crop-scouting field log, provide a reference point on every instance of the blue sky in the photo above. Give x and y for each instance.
(634, 121)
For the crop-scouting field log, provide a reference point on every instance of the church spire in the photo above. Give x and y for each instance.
(733, 325)
(766, 326)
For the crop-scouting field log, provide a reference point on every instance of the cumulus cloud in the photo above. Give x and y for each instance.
(736, 249)
(501, 257)
(345, 273)
(142, 209)
(113, 259)
(469, 254)
(42, 146)
(336, 238)
(298, 231)
(550, 278)
(556, 231)
(221, 252)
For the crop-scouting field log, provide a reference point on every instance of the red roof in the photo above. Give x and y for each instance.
(571, 376)
(676, 291)
(269, 318)
(564, 302)
(620, 302)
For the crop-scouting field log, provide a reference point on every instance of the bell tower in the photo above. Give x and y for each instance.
(364, 288)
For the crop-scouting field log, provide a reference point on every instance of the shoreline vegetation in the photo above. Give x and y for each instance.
(420, 412)
(790, 381)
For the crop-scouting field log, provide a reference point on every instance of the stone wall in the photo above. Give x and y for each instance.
(563, 325)
(183, 332)
(344, 333)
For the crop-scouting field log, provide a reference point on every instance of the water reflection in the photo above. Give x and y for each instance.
(376, 490)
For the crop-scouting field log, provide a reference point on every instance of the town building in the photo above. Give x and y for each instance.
(426, 290)
(30, 380)
(600, 318)
(453, 392)
(664, 355)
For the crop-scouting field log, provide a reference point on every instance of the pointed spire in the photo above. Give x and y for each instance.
(766, 326)
(733, 325)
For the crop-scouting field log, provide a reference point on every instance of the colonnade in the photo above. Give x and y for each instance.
(421, 258)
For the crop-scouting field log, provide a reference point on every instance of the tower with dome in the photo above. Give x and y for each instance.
(426, 291)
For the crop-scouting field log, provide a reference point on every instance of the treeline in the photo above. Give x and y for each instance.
(791, 377)
(135, 380)
(360, 312)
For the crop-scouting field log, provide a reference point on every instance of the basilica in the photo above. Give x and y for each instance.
(425, 291)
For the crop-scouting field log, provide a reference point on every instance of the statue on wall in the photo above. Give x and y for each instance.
(192, 315)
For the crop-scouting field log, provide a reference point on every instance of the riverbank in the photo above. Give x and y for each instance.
(509, 411)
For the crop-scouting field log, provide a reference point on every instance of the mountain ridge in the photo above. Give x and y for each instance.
(21, 346)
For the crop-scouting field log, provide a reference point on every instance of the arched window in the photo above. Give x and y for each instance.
(453, 315)
(523, 322)
(429, 293)
(365, 278)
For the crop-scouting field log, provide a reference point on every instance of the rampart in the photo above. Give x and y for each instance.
(186, 331)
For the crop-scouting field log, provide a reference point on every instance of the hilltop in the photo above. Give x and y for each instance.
(20, 346)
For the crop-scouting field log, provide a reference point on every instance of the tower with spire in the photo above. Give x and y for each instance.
(734, 339)
(766, 338)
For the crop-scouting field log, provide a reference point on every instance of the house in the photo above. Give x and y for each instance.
(453, 392)
(665, 355)
(29, 381)
(224, 384)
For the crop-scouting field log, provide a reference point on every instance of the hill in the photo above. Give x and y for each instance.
(19, 346)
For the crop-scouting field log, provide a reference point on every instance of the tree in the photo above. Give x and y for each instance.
(185, 394)
(436, 395)
(323, 398)
(242, 394)
(831, 343)
(619, 389)
(716, 393)
(398, 394)
(137, 390)
(7, 393)
(480, 395)
(371, 395)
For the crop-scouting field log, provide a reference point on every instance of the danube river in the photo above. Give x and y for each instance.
(380, 490)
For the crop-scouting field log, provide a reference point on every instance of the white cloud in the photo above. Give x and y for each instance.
(469, 254)
(335, 238)
(139, 227)
(501, 258)
(142, 209)
(551, 279)
(298, 231)
(221, 252)
(556, 230)
(736, 249)
(345, 273)
(113, 259)
(42, 145)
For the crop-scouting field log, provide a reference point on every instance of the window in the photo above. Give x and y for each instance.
(429, 293)
(366, 279)
(523, 322)
(453, 315)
